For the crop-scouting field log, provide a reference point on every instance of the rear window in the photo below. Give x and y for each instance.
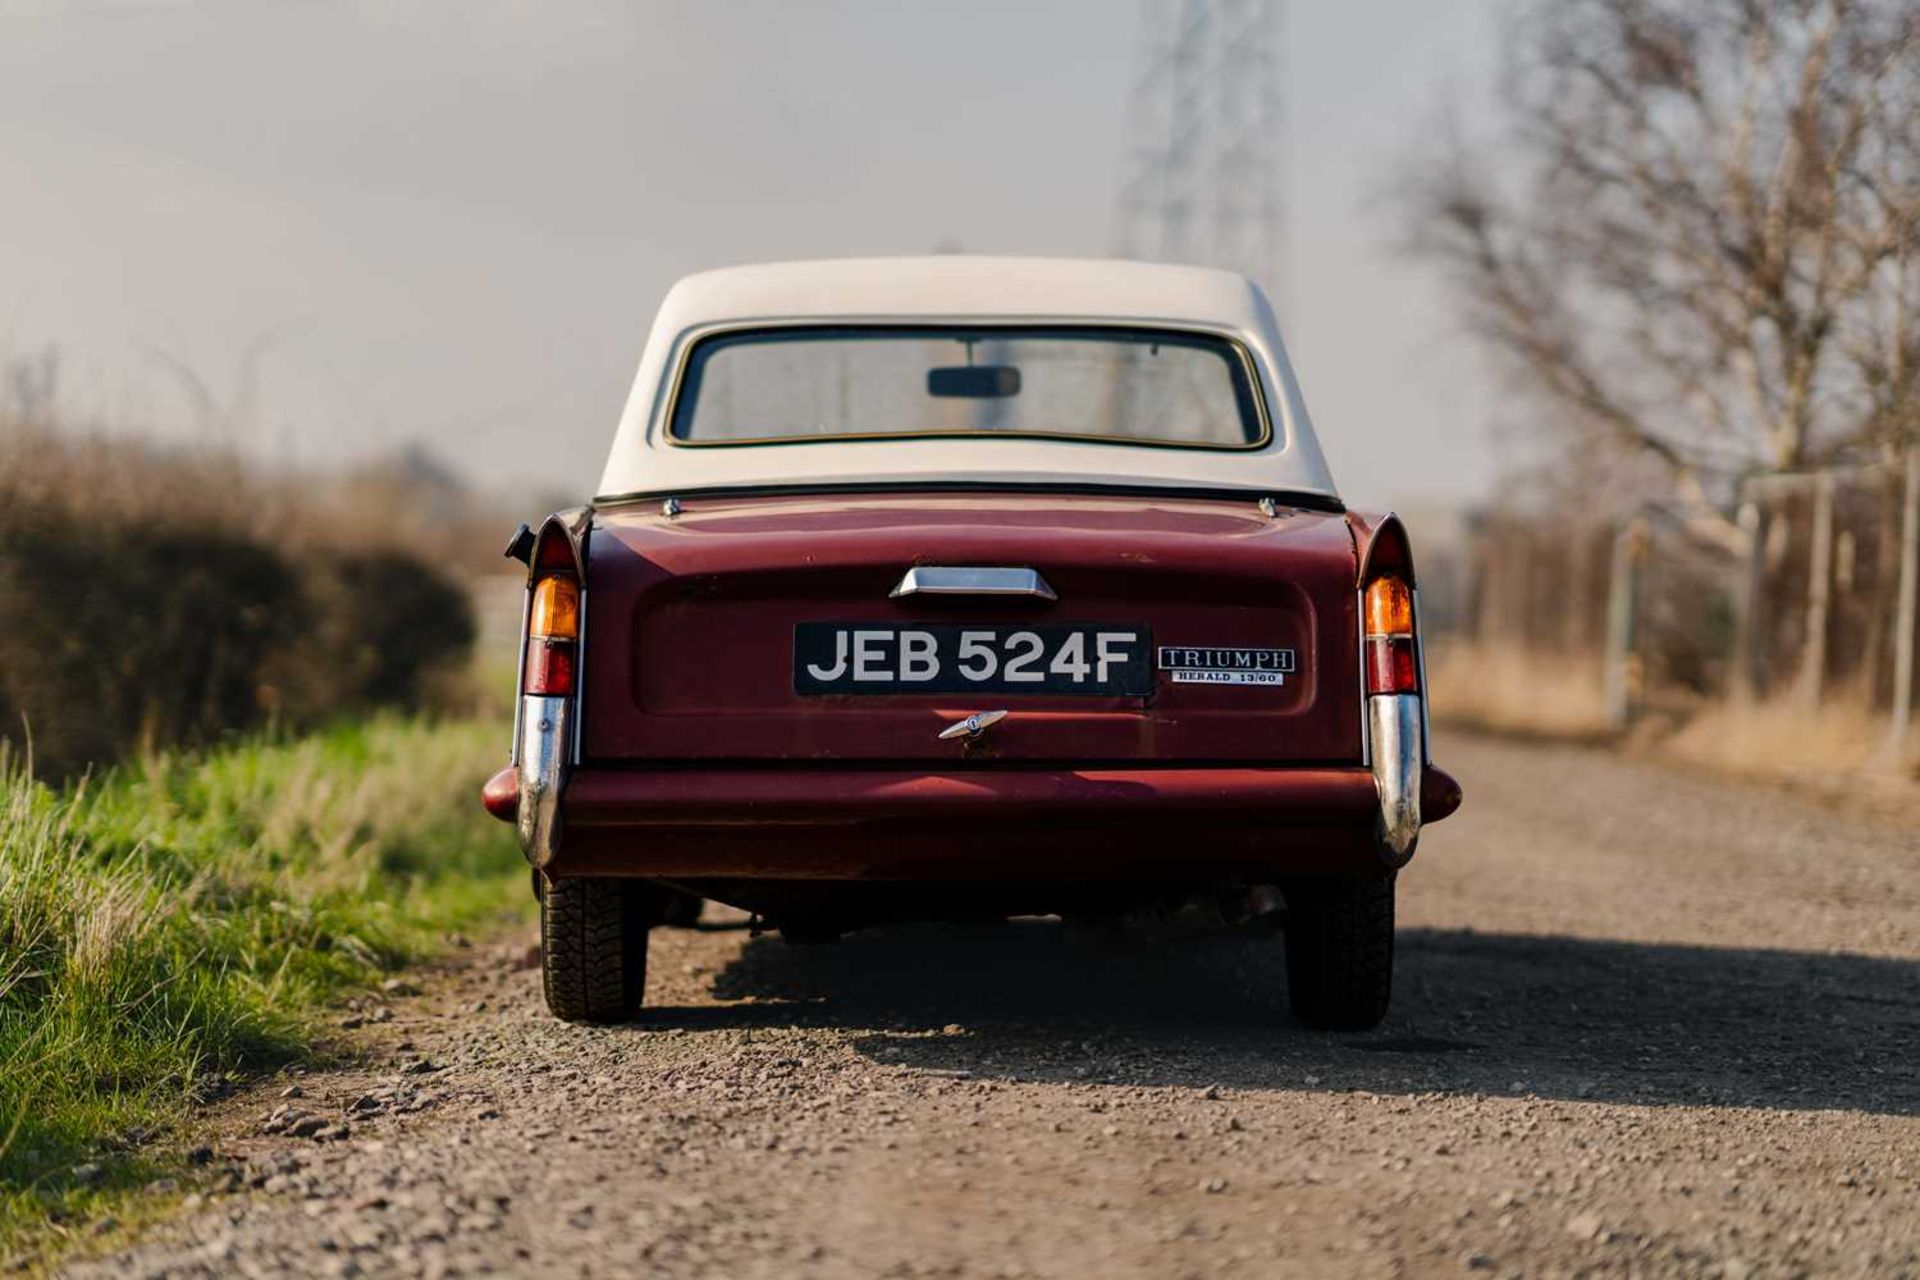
(1136, 386)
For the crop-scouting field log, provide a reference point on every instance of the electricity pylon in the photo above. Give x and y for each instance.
(1205, 160)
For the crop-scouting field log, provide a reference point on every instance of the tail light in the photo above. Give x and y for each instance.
(1396, 713)
(553, 622)
(1393, 661)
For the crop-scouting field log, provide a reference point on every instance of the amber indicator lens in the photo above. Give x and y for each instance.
(556, 609)
(1389, 608)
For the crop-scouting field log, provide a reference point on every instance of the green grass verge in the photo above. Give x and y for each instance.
(171, 923)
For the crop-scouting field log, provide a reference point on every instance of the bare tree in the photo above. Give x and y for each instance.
(1712, 258)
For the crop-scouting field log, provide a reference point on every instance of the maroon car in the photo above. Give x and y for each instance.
(925, 588)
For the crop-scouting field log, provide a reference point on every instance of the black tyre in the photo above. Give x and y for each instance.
(593, 949)
(1340, 953)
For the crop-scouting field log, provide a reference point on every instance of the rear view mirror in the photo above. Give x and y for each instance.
(974, 381)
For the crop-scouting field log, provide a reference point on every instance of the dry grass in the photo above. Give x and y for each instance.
(1785, 739)
(1838, 751)
(365, 509)
(151, 598)
(1515, 691)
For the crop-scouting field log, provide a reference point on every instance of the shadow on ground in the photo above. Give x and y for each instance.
(1486, 1013)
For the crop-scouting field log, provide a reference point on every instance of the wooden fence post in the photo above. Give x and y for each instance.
(1622, 580)
(1901, 722)
(1813, 653)
(1747, 622)
(1491, 586)
(1576, 616)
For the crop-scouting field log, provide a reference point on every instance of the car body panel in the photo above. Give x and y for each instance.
(1084, 825)
(689, 647)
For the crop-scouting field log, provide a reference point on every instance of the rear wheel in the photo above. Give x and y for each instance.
(1340, 953)
(593, 948)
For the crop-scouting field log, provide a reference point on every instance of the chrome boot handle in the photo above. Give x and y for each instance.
(945, 580)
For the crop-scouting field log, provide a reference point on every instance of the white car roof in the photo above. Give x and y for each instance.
(948, 287)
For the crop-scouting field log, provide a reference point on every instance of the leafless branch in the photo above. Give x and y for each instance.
(1705, 248)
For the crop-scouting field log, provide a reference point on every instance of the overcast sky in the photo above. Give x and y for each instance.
(451, 222)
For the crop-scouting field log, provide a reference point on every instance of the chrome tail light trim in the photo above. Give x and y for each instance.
(1397, 727)
(542, 754)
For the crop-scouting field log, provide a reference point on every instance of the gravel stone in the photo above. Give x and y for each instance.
(1644, 1023)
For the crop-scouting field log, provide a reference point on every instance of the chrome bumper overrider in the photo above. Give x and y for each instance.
(1399, 752)
(546, 739)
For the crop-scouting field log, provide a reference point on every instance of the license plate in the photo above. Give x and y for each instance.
(1089, 658)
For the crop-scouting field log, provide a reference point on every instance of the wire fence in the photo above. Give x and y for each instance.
(1817, 608)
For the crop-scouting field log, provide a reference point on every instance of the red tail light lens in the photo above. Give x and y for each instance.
(549, 666)
(1392, 658)
(1392, 666)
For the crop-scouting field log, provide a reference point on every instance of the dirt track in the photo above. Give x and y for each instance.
(1642, 1024)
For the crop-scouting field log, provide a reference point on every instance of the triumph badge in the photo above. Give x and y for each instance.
(973, 726)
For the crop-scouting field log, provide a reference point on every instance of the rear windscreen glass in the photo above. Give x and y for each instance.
(1137, 386)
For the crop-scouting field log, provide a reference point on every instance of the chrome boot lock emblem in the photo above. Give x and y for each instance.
(973, 726)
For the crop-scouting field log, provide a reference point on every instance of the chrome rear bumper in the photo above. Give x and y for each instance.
(1063, 826)
(1395, 722)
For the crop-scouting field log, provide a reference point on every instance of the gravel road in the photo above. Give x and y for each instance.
(1644, 1023)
